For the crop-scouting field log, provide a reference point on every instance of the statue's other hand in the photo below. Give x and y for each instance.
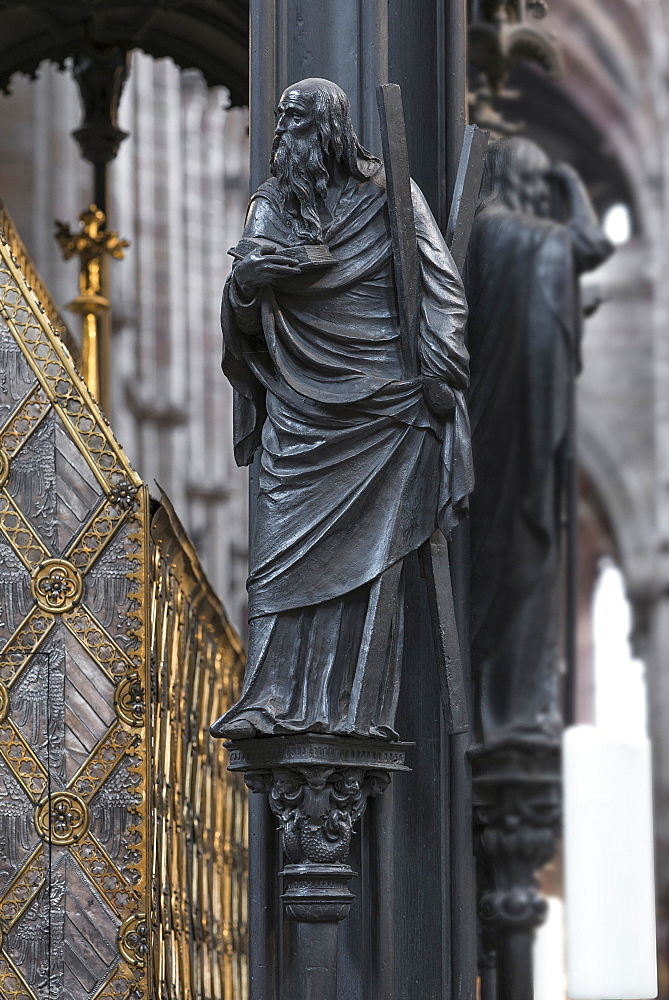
(265, 266)
(439, 396)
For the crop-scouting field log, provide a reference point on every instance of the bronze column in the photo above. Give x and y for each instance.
(398, 939)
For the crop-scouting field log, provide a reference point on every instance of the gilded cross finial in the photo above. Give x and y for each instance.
(92, 244)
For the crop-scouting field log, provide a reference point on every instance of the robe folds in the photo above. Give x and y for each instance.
(524, 337)
(355, 470)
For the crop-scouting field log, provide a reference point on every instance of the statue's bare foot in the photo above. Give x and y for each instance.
(240, 729)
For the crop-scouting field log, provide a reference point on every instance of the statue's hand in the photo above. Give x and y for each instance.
(265, 266)
(581, 217)
(439, 396)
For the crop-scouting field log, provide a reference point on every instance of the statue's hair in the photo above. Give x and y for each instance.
(501, 170)
(332, 114)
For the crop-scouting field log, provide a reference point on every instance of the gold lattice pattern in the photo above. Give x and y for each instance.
(74, 751)
(143, 882)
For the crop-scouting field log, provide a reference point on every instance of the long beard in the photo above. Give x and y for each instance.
(297, 163)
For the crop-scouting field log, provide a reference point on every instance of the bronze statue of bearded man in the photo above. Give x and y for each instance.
(358, 462)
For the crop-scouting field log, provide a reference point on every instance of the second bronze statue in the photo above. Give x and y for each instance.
(360, 461)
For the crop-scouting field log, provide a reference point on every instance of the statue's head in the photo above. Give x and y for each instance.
(313, 135)
(515, 174)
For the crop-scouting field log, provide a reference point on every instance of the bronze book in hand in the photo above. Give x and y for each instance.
(309, 255)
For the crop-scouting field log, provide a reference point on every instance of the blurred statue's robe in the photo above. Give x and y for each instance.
(524, 332)
(355, 471)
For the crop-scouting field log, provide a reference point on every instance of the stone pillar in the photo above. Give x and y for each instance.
(179, 195)
(658, 707)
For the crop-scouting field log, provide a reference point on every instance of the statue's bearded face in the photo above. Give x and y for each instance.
(294, 115)
(531, 179)
(313, 136)
(297, 162)
(533, 190)
(516, 173)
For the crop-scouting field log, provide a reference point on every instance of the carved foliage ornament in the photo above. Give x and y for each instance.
(517, 813)
(317, 807)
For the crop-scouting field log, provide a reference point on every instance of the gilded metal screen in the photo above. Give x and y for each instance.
(122, 862)
(200, 825)
(73, 669)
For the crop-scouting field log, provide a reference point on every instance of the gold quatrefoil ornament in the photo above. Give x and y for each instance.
(62, 819)
(131, 701)
(57, 585)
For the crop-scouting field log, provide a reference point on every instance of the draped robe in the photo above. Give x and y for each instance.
(524, 338)
(355, 470)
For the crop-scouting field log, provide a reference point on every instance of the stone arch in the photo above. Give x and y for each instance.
(209, 35)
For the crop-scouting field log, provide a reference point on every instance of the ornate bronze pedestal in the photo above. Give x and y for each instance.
(517, 807)
(318, 786)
